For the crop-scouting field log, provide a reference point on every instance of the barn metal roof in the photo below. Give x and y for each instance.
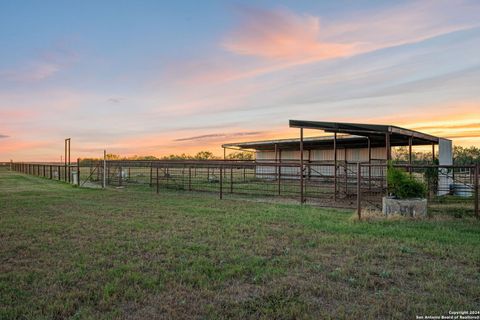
(352, 135)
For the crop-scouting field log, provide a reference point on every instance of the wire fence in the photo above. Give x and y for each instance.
(361, 186)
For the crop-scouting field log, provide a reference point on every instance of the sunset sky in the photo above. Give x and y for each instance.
(162, 77)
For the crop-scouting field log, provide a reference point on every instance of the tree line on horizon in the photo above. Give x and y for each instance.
(201, 155)
(461, 156)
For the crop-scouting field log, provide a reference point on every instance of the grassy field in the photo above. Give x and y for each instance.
(126, 253)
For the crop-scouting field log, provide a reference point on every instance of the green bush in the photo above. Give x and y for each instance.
(404, 186)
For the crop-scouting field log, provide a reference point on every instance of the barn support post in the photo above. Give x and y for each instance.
(335, 166)
(359, 191)
(302, 199)
(433, 152)
(388, 148)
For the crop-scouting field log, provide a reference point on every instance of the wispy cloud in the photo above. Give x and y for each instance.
(281, 34)
(220, 135)
(43, 66)
(3, 136)
(280, 38)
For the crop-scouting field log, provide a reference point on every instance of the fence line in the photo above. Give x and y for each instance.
(348, 185)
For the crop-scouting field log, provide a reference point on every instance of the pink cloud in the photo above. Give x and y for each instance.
(281, 34)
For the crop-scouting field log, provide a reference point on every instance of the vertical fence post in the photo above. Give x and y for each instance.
(301, 166)
(157, 179)
(120, 175)
(58, 172)
(151, 173)
(104, 178)
(44, 174)
(231, 179)
(279, 178)
(359, 191)
(477, 174)
(221, 182)
(51, 172)
(189, 178)
(78, 172)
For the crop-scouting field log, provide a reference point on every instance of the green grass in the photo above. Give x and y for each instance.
(130, 253)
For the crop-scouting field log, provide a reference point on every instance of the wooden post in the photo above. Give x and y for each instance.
(477, 174)
(388, 149)
(119, 175)
(221, 182)
(231, 179)
(151, 173)
(279, 178)
(433, 153)
(301, 167)
(335, 166)
(276, 159)
(410, 155)
(369, 164)
(359, 191)
(78, 172)
(58, 171)
(189, 178)
(345, 170)
(157, 179)
(104, 184)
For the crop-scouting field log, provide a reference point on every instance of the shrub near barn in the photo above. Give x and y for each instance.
(407, 195)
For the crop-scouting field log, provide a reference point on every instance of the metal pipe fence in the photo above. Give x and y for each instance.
(360, 186)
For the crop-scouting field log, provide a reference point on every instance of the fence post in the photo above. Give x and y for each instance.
(279, 178)
(477, 173)
(120, 175)
(78, 172)
(221, 182)
(157, 179)
(44, 175)
(51, 172)
(359, 191)
(151, 173)
(189, 178)
(231, 179)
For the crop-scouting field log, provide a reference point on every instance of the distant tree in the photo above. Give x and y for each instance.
(182, 156)
(111, 156)
(241, 155)
(466, 155)
(205, 155)
(401, 155)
